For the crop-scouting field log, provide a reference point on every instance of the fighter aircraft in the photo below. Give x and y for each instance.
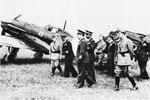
(18, 34)
(136, 38)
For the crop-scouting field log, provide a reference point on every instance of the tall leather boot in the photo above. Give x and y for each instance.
(117, 81)
(145, 74)
(53, 71)
(60, 70)
(132, 82)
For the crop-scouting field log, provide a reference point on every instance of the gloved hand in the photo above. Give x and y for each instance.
(80, 57)
(88, 46)
(67, 52)
(63, 56)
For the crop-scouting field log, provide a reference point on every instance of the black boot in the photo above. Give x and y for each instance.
(145, 75)
(60, 70)
(117, 81)
(133, 83)
(53, 71)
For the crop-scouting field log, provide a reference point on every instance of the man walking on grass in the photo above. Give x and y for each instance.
(69, 56)
(82, 62)
(123, 56)
(55, 54)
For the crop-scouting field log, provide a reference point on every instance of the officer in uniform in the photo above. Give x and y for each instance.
(90, 50)
(82, 58)
(55, 54)
(142, 57)
(110, 57)
(100, 54)
(69, 56)
(123, 56)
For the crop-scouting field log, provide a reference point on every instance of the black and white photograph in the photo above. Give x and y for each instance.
(74, 50)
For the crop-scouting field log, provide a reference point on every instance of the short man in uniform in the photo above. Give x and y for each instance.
(55, 54)
(142, 57)
(69, 56)
(82, 62)
(90, 50)
(110, 57)
(123, 56)
(99, 52)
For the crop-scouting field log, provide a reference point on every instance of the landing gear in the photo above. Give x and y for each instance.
(12, 54)
(38, 56)
(3, 32)
(9, 54)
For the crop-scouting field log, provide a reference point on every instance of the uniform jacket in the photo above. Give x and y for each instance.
(111, 51)
(124, 52)
(82, 52)
(67, 50)
(101, 46)
(126, 46)
(142, 53)
(90, 49)
(55, 50)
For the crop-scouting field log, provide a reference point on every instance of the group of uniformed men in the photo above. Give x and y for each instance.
(120, 53)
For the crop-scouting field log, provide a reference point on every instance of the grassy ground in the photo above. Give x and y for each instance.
(32, 81)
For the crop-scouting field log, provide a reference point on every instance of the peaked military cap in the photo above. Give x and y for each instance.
(113, 34)
(107, 37)
(63, 35)
(81, 32)
(89, 32)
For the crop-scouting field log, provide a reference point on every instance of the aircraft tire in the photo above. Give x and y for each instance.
(38, 56)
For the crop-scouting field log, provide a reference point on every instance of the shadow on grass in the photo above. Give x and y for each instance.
(20, 61)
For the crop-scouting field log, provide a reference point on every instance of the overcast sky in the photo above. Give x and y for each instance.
(99, 16)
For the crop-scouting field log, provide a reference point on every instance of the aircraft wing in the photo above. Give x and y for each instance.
(22, 37)
(135, 37)
(36, 43)
(29, 42)
(12, 41)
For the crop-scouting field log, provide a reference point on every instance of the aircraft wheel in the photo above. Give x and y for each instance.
(12, 54)
(3, 32)
(38, 56)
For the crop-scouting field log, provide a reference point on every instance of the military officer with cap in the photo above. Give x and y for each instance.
(69, 56)
(142, 58)
(123, 56)
(90, 49)
(55, 54)
(110, 57)
(82, 62)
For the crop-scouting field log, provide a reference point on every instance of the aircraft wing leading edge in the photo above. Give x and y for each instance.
(31, 42)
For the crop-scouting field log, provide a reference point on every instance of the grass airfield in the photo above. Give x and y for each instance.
(30, 80)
